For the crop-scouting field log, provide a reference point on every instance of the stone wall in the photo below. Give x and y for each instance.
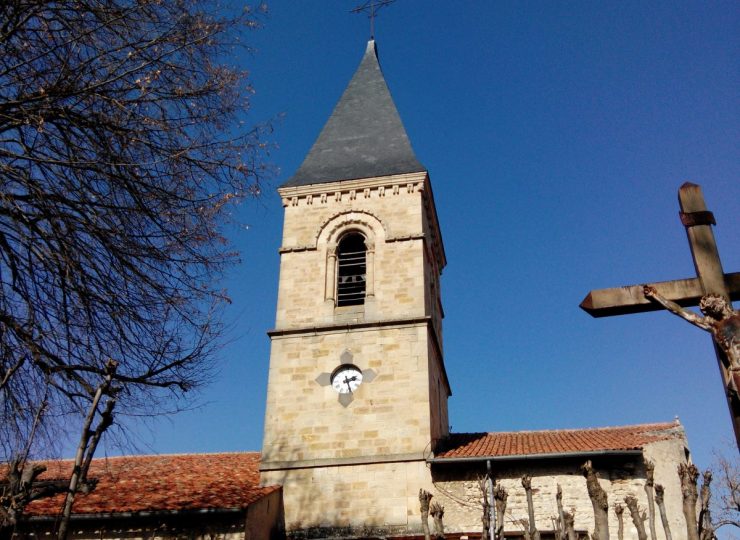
(457, 489)
(393, 214)
(357, 500)
(388, 415)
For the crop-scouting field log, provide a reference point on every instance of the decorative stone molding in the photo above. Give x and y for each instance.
(337, 192)
(366, 222)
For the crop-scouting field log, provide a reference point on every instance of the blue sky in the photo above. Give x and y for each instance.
(556, 135)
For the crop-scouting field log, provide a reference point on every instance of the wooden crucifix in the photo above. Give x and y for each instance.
(711, 288)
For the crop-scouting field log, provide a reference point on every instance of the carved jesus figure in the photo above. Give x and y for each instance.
(720, 320)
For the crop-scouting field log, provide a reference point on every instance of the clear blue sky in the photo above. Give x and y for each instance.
(556, 135)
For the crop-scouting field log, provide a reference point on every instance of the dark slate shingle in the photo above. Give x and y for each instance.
(364, 136)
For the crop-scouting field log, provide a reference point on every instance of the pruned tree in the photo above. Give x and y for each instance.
(650, 492)
(483, 483)
(619, 511)
(688, 474)
(638, 518)
(560, 521)
(437, 511)
(500, 496)
(424, 498)
(569, 522)
(524, 524)
(534, 534)
(659, 500)
(706, 528)
(599, 501)
(121, 155)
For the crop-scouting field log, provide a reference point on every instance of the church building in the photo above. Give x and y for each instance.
(356, 420)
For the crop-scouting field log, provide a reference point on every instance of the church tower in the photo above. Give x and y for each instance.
(357, 391)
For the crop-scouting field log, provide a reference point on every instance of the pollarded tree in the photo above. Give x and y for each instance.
(121, 154)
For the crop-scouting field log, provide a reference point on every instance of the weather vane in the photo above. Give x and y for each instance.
(371, 7)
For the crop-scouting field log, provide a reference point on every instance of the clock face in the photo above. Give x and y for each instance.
(346, 379)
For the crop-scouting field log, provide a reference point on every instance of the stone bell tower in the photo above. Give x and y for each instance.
(357, 391)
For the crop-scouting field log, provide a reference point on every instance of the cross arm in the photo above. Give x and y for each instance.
(630, 299)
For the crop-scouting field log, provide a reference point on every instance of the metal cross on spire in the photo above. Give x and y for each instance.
(371, 7)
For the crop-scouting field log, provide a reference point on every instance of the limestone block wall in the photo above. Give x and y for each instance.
(392, 213)
(389, 415)
(458, 491)
(360, 500)
(439, 391)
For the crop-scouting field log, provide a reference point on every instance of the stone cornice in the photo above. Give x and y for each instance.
(339, 462)
(342, 327)
(357, 184)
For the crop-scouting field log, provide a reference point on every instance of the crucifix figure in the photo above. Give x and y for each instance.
(712, 290)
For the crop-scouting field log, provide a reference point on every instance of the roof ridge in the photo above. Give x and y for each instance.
(662, 425)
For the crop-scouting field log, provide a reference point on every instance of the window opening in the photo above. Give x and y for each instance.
(351, 270)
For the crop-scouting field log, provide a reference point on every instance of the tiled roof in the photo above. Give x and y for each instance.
(161, 483)
(565, 441)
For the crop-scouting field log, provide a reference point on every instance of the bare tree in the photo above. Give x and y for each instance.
(569, 522)
(437, 511)
(120, 157)
(560, 521)
(483, 482)
(619, 511)
(500, 496)
(424, 498)
(638, 518)
(650, 492)
(706, 528)
(688, 473)
(599, 501)
(533, 533)
(659, 500)
(726, 505)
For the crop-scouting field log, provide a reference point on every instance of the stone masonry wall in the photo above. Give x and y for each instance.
(389, 415)
(390, 213)
(371, 499)
(461, 496)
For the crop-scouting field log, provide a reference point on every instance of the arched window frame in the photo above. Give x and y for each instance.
(351, 264)
(328, 237)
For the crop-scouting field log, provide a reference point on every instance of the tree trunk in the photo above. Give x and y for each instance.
(525, 527)
(500, 495)
(706, 529)
(438, 511)
(659, 491)
(534, 534)
(88, 444)
(599, 501)
(569, 522)
(485, 506)
(649, 488)
(424, 498)
(619, 510)
(637, 518)
(561, 514)
(688, 475)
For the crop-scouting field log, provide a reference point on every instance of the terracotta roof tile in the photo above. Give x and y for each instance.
(161, 483)
(528, 443)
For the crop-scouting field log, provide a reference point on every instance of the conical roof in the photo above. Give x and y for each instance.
(364, 136)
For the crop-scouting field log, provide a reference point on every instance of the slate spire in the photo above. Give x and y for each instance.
(364, 136)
